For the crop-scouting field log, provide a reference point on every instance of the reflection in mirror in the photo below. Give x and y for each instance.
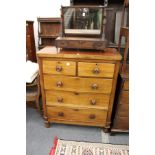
(82, 20)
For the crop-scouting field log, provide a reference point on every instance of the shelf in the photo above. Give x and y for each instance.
(48, 36)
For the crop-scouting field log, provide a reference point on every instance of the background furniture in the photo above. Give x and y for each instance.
(78, 87)
(121, 107)
(48, 31)
(33, 92)
(30, 42)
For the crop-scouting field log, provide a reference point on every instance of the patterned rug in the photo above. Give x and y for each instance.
(62, 147)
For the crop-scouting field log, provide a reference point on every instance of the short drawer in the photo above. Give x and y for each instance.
(96, 69)
(59, 67)
(79, 114)
(67, 44)
(75, 83)
(76, 98)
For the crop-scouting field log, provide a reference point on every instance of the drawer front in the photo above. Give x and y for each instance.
(121, 123)
(126, 85)
(124, 97)
(68, 44)
(76, 83)
(96, 69)
(80, 115)
(123, 110)
(59, 67)
(84, 44)
(75, 98)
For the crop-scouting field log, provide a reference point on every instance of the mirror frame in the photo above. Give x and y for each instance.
(82, 34)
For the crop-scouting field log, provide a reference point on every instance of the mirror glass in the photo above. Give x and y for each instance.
(82, 20)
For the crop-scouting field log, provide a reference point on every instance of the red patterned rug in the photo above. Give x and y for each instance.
(63, 147)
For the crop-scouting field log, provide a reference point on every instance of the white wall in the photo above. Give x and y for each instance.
(43, 8)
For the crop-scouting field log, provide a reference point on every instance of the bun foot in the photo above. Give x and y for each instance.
(47, 124)
(106, 130)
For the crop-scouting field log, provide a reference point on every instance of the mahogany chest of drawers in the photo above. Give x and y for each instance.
(78, 87)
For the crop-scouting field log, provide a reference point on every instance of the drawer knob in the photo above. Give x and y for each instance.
(59, 84)
(92, 116)
(96, 71)
(60, 99)
(94, 86)
(93, 102)
(60, 114)
(58, 68)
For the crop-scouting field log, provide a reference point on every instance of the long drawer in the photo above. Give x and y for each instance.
(79, 114)
(85, 43)
(59, 67)
(96, 69)
(75, 83)
(76, 98)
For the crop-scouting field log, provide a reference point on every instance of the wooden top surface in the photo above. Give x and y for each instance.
(53, 52)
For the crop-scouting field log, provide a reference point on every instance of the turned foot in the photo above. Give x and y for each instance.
(47, 124)
(106, 130)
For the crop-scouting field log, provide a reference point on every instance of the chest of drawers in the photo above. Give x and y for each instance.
(78, 87)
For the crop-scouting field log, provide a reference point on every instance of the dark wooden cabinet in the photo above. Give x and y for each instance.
(121, 106)
(48, 31)
(30, 42)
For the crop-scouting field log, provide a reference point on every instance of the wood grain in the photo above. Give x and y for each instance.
(121, 123)
(123, 110)
(126, 85)
(66, 67)
(74, 99)
(39, 60)
(53, 52)
(108, 122)
(76, 83)
(94, 100)
(124, 97)
(90, 69)
(80, 114)
(81, 43)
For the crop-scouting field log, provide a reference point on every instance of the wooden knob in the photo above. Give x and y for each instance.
(96, 71)
(58, 68)
(60, 114)
(60, 99)
(94, 86)
(76, 93)
(59, 84)
(92, 116)
(93, 102)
